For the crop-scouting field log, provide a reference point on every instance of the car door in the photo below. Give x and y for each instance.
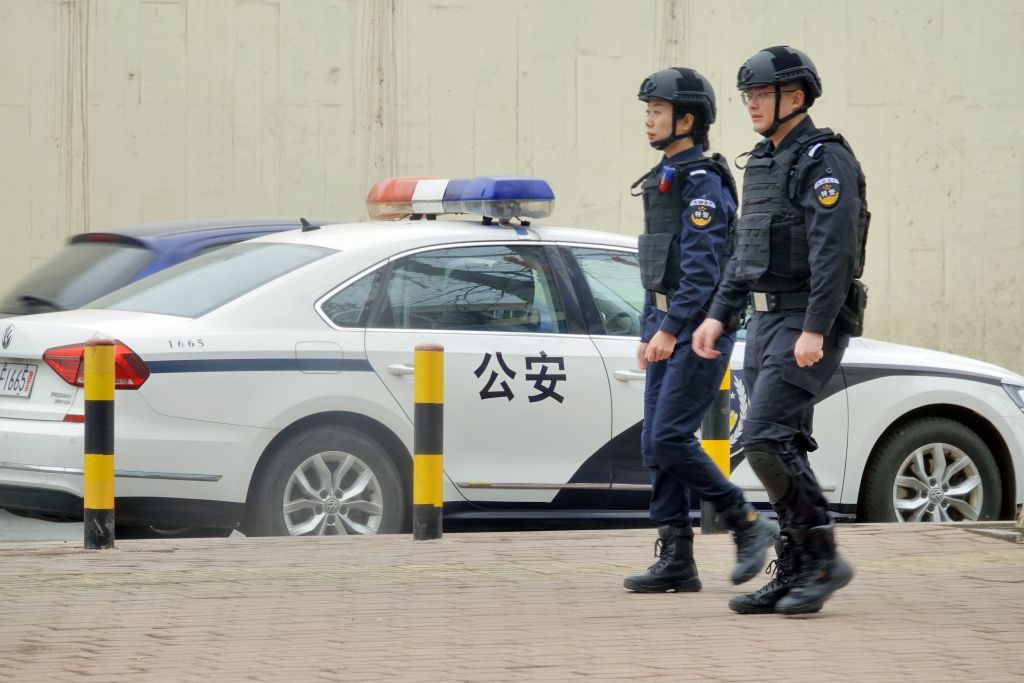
(526, 395)
(608, 280)
(611, 298)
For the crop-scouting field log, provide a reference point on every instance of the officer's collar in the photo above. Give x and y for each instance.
(804, 126)
(695, 152)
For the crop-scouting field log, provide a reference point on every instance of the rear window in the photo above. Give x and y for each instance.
(76, 275)
(199, 285)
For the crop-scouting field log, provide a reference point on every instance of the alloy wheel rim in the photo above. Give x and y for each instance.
(332, 493)
(937, 482)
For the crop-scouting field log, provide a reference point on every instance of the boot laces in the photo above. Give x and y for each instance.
(778, 571)
(661, 552)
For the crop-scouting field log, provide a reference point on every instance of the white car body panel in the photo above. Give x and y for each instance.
(498, 440)
(184, 448)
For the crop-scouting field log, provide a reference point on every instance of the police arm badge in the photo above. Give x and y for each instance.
(826, 191)
(701, 212)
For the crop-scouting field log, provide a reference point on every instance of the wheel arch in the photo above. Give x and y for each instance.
(388, 440)
(985, 430)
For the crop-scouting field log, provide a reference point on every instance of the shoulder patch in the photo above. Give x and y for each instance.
(826, 191)
(701, 212)
(812, 151)
(699, 171)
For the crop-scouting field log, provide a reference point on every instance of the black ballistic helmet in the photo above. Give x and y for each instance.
(777, 65)
(683, 87)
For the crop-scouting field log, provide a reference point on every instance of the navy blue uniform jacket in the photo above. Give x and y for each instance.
(708, 210)
(831, 236)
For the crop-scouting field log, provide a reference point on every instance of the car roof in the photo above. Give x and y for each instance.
(411, 234)
(148, 233)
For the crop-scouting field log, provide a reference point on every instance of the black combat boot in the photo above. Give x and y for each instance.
(821, 572)
(674, 570)
(762, 601)
(753, 536)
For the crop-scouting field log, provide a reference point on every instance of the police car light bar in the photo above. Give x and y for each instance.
(491, 197)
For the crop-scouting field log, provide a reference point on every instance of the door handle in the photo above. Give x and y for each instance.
(630, 375)
(401, 369)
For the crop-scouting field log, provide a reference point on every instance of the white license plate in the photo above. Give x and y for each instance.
(16, 379)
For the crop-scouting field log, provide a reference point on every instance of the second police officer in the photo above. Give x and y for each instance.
(689, 206)
(799, 247)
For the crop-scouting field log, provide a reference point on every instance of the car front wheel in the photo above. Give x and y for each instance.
(931, 470)
(330, 480)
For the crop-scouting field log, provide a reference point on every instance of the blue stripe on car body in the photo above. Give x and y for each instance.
(258, 365)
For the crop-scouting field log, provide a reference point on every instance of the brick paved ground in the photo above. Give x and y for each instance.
(928, 604)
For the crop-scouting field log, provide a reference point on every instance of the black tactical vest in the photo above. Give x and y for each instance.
(659, 245)
(771, 235)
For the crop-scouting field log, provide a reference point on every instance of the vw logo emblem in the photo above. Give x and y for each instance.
(8, 336)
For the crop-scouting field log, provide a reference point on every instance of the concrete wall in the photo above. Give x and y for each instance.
(120, 111)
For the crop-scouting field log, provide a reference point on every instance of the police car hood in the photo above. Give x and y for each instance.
(871, 352)
(32, 335)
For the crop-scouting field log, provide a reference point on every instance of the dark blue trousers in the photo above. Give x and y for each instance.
(780, 413)
(677, 395)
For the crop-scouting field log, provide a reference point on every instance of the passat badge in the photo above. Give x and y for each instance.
(8, 336)
(827, 191)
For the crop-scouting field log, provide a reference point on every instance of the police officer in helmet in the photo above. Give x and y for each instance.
(799, 249)
(689, 206)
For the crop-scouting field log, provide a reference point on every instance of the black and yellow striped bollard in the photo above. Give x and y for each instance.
(715, 442)
(99, 445)
(428, 439)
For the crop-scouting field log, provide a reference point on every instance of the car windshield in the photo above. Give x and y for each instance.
(198, 286)
(76, 274)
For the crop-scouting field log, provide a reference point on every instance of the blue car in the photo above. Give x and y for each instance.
(93, 264)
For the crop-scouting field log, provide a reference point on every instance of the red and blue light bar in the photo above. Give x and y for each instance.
(496, 197)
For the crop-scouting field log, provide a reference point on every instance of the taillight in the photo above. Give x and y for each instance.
(67, 361)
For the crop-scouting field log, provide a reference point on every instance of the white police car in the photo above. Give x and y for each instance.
(269, 384)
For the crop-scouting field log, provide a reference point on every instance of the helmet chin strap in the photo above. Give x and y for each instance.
(777, 121)
(665, 142)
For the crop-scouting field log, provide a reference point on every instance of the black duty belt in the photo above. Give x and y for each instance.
(777, 301)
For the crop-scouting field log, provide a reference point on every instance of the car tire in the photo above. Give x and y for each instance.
(330, 480)
(932, 469)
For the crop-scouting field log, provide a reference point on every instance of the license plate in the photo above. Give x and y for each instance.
(16, 379)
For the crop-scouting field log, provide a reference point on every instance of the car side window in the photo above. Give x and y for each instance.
(492, 288)
(350, 306)
(614, 280)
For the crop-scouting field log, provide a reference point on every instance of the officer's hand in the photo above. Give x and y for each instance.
(661, 346)
(808, 349)
(641, 356)
(705, 336)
